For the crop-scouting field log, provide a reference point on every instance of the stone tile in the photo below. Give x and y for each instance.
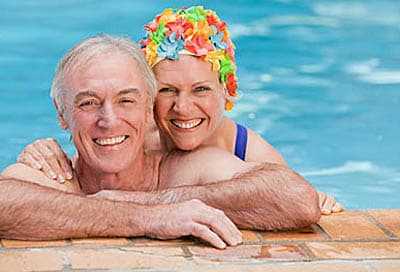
(249, 236)
(355, 250)
(30, 261)
(307, 233)
(390, 219)
(247, 253)
(26, 244)
(215, 269)
(350, 225)
(386, 266)
(310, 267)
(100, 241)
(156, 242)
(129, 257)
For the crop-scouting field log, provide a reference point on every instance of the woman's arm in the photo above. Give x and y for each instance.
(259, 150)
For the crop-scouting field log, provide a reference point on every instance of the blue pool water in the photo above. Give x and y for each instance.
(320, 80)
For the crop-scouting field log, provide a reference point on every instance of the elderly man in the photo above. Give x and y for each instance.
(104, 94)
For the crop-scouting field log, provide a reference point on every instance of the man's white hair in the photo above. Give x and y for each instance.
(93, 47)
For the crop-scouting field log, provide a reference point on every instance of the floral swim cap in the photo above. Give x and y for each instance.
(195, 31)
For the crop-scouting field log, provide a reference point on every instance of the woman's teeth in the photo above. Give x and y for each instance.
(187, 124)
(110, 141)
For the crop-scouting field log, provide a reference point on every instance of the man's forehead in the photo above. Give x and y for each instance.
(111, 72)
(104, 64)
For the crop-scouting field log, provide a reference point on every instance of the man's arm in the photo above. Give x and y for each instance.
(268, 196)
(31, 211)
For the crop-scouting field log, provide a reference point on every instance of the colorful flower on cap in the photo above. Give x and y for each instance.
(170, 47)
(195, 31)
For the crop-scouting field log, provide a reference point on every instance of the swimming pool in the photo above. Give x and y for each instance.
(320, 81)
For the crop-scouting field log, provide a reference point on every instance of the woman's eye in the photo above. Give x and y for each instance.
(201, 89)
(167, 91)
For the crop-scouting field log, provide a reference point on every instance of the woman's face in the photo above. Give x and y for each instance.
(190, 102)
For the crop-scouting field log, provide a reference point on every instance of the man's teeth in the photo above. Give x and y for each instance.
(110, 141)
(187, 124)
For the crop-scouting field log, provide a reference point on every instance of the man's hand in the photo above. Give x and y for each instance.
(194, 218)
(328, 204)
(46, 155)
(191, 217)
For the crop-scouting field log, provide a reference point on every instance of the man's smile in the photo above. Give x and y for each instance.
(110, 141)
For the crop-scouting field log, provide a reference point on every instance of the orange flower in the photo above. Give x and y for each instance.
(231, 84)
(200, 28)
(228, 105)
(167, 16)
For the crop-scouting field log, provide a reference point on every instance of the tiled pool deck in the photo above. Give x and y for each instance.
(350, 241)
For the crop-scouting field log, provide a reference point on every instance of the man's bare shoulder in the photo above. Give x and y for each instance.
(25, 173)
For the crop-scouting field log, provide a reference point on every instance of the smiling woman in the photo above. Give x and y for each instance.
(190, 103)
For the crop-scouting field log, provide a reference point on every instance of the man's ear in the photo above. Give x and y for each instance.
(61, 121)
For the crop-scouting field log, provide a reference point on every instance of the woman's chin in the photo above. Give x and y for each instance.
(187, 146)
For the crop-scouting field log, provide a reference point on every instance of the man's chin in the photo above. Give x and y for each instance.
(107, 166)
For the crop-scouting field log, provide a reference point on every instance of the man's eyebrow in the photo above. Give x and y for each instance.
(129, 91)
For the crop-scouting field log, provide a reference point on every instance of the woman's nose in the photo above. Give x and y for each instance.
(182, 103)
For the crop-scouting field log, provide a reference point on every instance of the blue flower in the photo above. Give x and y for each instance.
(216, 39)
(170, 47)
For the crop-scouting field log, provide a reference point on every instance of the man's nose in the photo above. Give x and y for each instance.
(182, 103)
(107, 115)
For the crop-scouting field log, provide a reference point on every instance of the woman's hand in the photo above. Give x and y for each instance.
(328, 204)
(46, 155)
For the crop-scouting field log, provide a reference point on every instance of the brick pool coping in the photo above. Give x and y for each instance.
(349, 241)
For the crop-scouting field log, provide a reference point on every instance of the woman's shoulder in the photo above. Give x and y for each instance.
(258, 149)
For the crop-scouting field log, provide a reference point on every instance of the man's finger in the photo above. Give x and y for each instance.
(221, 225)
(204, 233)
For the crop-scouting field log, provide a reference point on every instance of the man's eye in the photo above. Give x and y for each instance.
(127, 101)
(88, 104)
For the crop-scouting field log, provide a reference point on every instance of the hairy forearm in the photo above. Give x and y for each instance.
(32, 212)
(268, 197)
